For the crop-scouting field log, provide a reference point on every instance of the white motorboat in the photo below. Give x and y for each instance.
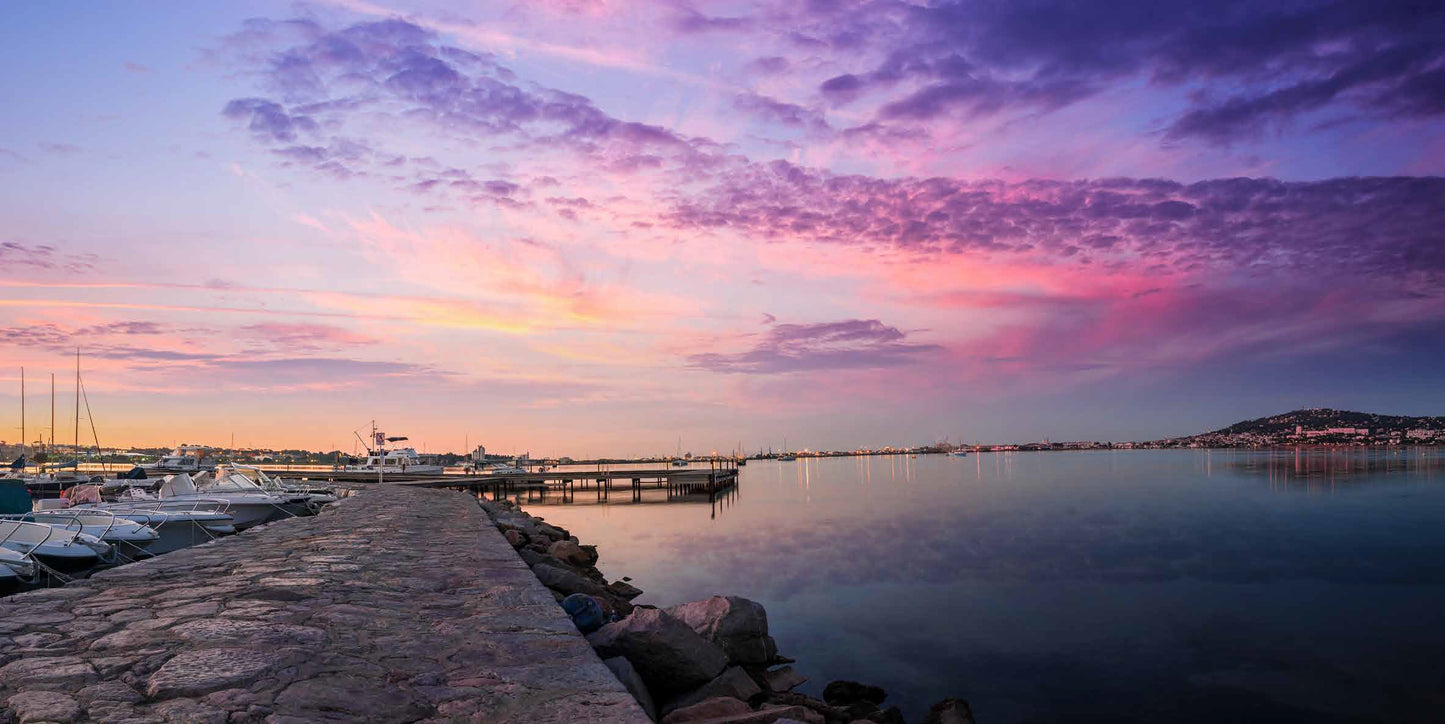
(127, 536)
(959, 453)
(496, 468)
(313, 496)
(57, 547)
(184, 459)
(178, 525)
(247, 507)
(15, 568)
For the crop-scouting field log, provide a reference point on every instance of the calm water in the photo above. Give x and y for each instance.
(1090, 586)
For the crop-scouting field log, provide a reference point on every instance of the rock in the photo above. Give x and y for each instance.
(783, 679)
(950, 711)
(891, 715)
(531, 557)
(732, 683)
(569, 552)
(44, 706)
(625, 673)
(565, 581)
(516, 538)
(736, 624)
(591, 552)
(843, 693)
(711, 709)
(624, 591)
(670, 656)
(202, 671)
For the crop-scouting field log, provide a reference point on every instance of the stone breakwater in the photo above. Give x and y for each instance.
(703, 662)
(395, 604)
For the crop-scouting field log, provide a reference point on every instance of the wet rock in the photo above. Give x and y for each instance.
(738, 625)
(950, 711)
(565, 581)
(622, 590)
(197, 672)
(707, 710)
(731, 683)
(844, 693)
(783, 679)
(629, 677)
(670, 656)
(569, 552)
(44, 706)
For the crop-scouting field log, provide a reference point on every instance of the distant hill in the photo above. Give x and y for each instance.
(1325, 418)
(1321, 425)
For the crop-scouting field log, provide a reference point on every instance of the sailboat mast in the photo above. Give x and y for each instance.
(76, 448)
(22, 413)
(52, 412)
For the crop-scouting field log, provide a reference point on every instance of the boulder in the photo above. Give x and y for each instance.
(732, 683)
(783, 679)
(950, 711)
(569, 552)
(736, 624)
(565, 581)
(844, 693)
(625, 673)
(624, 590)
(44, 706)
(516, 538)
(531, 557)
(707, 710)
(586, 613)
(670, 656)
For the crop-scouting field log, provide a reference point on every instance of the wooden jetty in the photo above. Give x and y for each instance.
(718, 478)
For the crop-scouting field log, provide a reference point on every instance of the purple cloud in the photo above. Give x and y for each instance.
(849, 344)
(1249, 67)
(44, 256)
(1348, 225)
(268, 120)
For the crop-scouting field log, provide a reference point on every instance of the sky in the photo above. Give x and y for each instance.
(608, 227)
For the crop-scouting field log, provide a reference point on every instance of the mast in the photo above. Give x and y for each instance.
(76, 449)
(23, 456)
(52, 413)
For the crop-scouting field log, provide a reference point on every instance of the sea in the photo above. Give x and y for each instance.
(1293, 585)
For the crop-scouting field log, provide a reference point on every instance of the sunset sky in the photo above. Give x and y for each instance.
(593, 227)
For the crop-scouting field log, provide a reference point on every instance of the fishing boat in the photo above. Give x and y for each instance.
(399, 460)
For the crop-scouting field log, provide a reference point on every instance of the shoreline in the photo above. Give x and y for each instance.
(701, 661)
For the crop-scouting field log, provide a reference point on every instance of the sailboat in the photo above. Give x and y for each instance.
(786, 457)
(678, 462)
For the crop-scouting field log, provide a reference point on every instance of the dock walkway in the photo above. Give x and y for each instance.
(397, 604)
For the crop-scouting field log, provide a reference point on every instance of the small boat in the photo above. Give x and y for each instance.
(176, 527)
(679, 463)
(959, 453)
(184, 459)
(247, 506)
(496, 468)
(300, 500)
(60, 548)
(787, 458)
(126, 536)
(16, 568)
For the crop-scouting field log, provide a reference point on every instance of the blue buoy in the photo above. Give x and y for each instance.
(586, 613)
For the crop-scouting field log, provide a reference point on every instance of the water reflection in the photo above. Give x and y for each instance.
(1123, 585)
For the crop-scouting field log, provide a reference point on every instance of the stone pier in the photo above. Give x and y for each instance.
(396, 604)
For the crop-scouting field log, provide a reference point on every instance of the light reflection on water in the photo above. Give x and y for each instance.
(1099, 586)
